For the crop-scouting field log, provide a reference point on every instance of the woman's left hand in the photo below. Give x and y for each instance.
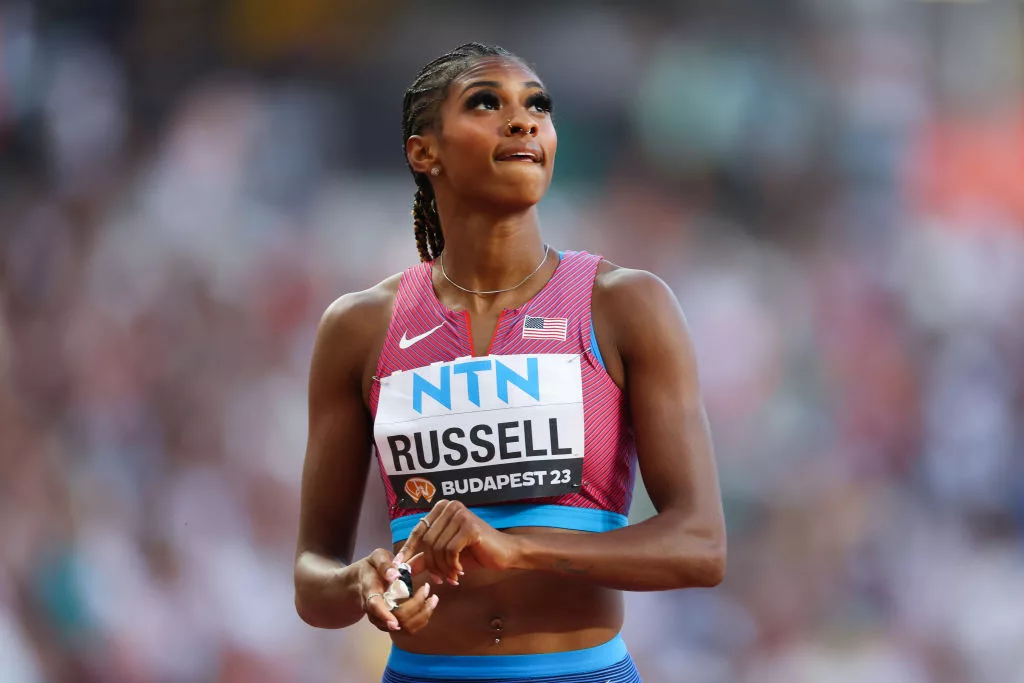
(451, 528)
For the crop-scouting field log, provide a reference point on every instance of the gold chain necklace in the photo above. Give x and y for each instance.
(543, 260)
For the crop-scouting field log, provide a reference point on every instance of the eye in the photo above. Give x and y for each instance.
(540, 102)
(483, 99)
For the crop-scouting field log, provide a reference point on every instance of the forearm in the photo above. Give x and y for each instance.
(662, 553)
(327, 591)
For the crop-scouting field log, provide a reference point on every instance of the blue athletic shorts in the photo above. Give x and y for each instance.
(608, 663)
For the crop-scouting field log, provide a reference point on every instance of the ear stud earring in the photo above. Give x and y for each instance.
(436, 171)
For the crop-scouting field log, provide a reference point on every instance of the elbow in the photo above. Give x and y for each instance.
(311, 608)
(713, 570)
(312, 614)
(702, 566)
(304, 611)
(321, 600)
(305, 604)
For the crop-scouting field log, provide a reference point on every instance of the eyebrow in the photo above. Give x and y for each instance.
(496, 84)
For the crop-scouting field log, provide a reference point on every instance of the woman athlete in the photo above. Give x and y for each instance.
(508, 391)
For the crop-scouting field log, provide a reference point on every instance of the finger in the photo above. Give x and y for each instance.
(412, 606)
(415, 613)
(450, 545)
(381, 560)
(413, 603)
(380, 625)
(420, 620)
(415, 540)
(377, 610)
(412, 543)
(446, 549)
(423, 534)
(438, 529)
(453, 553)
(416, 564)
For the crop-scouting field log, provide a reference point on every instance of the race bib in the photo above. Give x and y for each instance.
(482, 430)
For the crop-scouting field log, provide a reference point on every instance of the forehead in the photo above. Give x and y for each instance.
(500, 69)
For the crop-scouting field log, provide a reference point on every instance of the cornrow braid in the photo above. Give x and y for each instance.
(426, 221)
(420, 221)
(420, 112)
(435, 237)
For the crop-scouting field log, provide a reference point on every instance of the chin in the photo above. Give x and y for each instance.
(519, 200)
(520, 195)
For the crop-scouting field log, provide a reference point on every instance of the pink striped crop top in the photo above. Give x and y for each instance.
(535, 433)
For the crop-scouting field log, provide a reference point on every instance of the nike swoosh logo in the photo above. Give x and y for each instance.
(405, 343)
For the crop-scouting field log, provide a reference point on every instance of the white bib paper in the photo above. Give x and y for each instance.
(483, 429)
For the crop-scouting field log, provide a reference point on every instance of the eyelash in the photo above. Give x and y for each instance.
(542, 101)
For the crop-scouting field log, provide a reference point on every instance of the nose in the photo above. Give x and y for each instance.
(520, 126)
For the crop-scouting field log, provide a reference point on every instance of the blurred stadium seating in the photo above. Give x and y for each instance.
(835, 190)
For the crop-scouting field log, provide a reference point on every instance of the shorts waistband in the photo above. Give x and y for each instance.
(483, 667)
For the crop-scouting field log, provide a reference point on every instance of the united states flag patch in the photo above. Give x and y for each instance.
(545, 328)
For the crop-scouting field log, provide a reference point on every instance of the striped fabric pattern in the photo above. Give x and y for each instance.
(545, 328)
(623, 672)
(609, 448)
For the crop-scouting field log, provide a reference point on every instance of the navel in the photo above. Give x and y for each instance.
(497, 626)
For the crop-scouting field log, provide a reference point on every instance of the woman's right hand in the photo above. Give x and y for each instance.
(378, 574)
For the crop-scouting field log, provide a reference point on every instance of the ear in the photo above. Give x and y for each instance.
(421, 151)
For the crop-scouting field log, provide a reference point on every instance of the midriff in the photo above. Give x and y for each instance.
(494, 612)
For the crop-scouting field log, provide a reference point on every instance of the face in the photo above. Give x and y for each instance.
(482, 157)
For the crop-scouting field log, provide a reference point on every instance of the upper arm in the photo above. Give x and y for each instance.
(651, 351)
(338, 446)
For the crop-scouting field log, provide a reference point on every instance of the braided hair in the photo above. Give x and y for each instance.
(420, 112)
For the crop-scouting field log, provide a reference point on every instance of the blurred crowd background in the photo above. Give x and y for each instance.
(835, 190)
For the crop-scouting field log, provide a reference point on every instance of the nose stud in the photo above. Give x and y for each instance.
(512, 129)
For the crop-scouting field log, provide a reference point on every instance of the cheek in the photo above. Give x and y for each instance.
(472, 148)
(548, 139)
(551, 143)
(548, 130)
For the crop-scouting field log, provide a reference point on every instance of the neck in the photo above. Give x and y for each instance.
(488, 252)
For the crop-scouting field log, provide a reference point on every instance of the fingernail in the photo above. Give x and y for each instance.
(392, 574)
(425, 590)
(433, 601)
(461, 573)
(393, 625)
(454, 582)
(436, 579)
(399, 558)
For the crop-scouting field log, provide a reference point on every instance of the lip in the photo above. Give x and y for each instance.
(521, 152)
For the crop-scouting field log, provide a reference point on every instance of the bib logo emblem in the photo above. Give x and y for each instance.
(418, 487)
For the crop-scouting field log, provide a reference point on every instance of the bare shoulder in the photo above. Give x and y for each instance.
(630, 291)
(635, 315)
(361, 312)
(351, 334)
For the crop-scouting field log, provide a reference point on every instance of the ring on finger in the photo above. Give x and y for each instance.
(388, 600)
(424, 520)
